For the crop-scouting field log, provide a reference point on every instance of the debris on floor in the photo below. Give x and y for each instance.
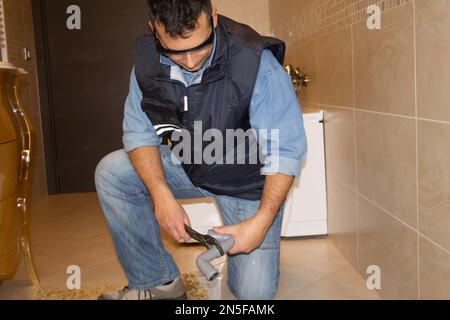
(194, 289)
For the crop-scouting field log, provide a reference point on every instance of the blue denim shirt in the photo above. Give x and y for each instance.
(274, 105)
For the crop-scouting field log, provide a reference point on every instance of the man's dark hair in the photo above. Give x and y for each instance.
(178, 16)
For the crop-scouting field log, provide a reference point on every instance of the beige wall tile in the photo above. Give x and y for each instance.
(252, 12)
(290, 54)
(282, 25)
(434, 271)
(434, 181)
(340, 145)
(304, 56)
(389, 244)
(342, 218)
(433, 52)
(386, 163)
(384, 64)
(300, 7)
(281, 18)
(335, 74)
(386, 145)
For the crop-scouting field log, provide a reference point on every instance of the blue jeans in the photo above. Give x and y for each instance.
(128, 209)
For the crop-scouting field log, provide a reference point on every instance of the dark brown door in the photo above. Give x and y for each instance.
(84, 77)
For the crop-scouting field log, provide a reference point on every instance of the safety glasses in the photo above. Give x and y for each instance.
(203, 45)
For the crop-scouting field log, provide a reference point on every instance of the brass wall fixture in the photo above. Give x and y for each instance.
(299, 79)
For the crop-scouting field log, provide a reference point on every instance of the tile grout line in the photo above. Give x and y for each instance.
(417, 150)
(434, 243)
(404, 223)
(388, 114)
(343, 184)
(355, 146)
(432, 120)
(316, 62)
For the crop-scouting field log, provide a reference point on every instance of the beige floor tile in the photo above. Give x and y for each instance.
(70, 230)
(293, 279)
(315, 254)
(344, 284)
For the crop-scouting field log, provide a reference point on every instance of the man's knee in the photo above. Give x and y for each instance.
(254, 283)
(255, 276)
(110, 167)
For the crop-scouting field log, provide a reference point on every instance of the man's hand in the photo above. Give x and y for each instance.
(248, 235)
(169, 213)
(172, 217)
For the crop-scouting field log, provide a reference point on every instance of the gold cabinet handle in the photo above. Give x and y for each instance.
(22, 204)
(25, 164)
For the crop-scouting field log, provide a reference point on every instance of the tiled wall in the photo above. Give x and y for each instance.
(19, 28)
(387, 101)
(251, 12)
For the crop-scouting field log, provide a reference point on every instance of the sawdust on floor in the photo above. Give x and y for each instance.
(194, 290)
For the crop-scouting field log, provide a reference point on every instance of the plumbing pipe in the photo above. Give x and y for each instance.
(204, 260)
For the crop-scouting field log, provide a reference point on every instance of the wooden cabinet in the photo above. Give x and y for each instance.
(10, 225)
(10, 217)
(15, 158)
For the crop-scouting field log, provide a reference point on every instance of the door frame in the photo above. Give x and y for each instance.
(45, 95)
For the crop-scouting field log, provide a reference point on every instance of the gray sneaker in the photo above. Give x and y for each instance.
(173, 291)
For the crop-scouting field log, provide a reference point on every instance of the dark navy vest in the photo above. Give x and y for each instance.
(221, 101)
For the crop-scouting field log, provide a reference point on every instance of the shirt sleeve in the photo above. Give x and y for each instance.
(277, 120)
(138, 130)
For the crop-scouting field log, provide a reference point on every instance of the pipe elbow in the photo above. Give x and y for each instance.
(204, 261)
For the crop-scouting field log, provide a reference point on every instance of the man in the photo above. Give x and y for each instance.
(201, 68)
